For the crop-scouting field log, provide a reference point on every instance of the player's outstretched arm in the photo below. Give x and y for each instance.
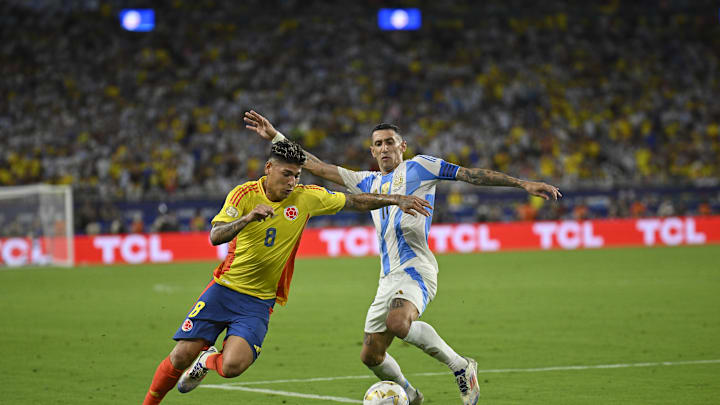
(485, 177)
(409, 204)
(256, 122)
(223, 232)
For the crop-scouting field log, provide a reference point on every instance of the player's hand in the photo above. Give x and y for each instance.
(260, 213)
(540, 189)
(259, 124)
(409, 204)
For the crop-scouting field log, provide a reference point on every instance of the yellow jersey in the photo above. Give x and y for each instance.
(261, 258)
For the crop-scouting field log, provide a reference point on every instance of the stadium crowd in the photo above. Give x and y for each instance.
(604, 96)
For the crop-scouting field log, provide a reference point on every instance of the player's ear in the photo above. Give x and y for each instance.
(268, 165)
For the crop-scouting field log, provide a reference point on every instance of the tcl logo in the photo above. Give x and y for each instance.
(567, 234)
(463, 238)
(355, 241)
(132, 248)
(363, 241)
(671, 231)
(21, 251)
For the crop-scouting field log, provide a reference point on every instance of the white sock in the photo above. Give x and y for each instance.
(424, 336)
(389, 370)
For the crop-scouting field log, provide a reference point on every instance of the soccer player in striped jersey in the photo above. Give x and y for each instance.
(262, 220)
(408, 269)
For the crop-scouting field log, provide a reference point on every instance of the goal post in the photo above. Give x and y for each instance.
(36, 225)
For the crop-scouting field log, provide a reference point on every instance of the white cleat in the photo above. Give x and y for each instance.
(468, 383)
(191, 378)
(419, 398)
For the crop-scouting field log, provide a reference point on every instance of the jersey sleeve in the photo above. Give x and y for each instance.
(357, 182)
(440, 169)
(321, 201)
(234, 206)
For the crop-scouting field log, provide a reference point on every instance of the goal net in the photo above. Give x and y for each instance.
(36, 225)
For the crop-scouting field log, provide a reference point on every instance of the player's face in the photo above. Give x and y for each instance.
(387, 148)
(281, 179)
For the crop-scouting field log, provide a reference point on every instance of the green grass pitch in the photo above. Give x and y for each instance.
(94, 335)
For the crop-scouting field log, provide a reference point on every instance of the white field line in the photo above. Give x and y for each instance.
(480, 372)
(285, 393)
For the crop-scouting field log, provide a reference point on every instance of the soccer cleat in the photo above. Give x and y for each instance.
(468, 383)
(419, 398)
(191, 378)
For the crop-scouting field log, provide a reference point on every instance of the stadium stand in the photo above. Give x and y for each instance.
(614, 103)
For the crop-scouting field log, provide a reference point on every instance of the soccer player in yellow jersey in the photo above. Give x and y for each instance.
(262, 220)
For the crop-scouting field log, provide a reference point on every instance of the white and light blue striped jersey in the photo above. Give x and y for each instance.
(403, 238)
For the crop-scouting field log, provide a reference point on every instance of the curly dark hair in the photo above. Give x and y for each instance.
(288, 152)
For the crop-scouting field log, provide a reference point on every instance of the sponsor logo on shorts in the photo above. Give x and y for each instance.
(187, 325)
(291, 213)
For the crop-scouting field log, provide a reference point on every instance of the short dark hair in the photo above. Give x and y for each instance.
(382, 126)
(288, 152)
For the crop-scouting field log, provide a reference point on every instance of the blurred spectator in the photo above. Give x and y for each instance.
(666, 209)
(117, 225)
(198, 222)
(638, 209)
(137, 225)
(581, 212)
(704, 209)
(166, 221)
(526, 211)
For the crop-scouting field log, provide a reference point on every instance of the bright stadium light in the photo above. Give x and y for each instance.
(399, 19)
(138, 20)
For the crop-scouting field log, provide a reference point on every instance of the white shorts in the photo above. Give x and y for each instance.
(410, 284)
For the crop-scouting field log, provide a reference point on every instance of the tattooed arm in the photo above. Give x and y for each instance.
(368, 202)
(484, 177)
(321, 169)
(222, 232)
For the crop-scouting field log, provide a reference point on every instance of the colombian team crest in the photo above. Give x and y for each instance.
(187, 325)
(291, 213)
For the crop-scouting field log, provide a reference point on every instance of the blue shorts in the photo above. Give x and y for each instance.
(219, 308)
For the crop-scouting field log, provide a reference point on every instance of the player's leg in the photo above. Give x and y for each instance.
(171, 368)
(248, 324)
(375, 356)
(201, 327)
(402, 322)
(424, 336)
(412, 296)
(235, 358)
(377, 340)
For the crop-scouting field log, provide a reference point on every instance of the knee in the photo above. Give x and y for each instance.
(230, 371)
(234, 369)
(370, 358)
(398, 325)
(182, 358)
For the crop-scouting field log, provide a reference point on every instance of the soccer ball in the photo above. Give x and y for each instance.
(386, 393)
